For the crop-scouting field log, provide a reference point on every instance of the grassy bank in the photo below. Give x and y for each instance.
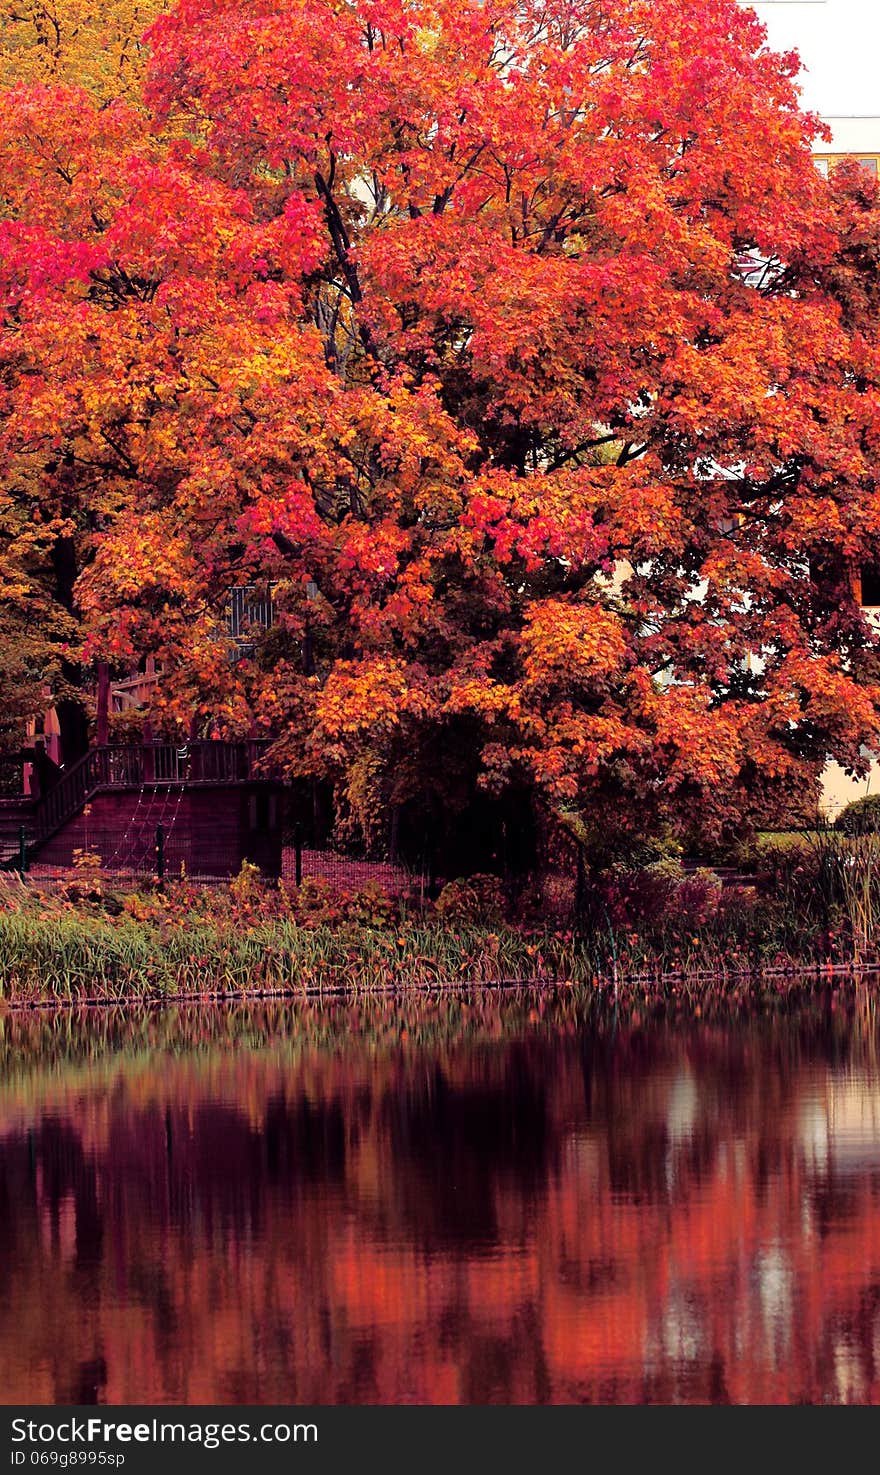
(74, 958)
(651, 933)
(46, 957)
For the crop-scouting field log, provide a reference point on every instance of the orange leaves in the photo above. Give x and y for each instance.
(822, 694)
(361, 699)
(138, 557)
(477, 694)
(60, 157)
(643, 509)
(371, 554)
(291, 515)
(572, 645)
(539, 520)
(694, 744)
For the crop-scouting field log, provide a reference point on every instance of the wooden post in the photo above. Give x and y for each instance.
(149, 764)
(102, 732)
(22, 851)
(160, 852)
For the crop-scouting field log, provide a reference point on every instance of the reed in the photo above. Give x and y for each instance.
(817, 908)
(71, 958)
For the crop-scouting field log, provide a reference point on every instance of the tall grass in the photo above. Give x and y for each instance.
(827, 894)
(815, 904)
(70, 957)
(860, 887)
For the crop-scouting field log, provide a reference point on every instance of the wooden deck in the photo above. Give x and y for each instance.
(215, 801)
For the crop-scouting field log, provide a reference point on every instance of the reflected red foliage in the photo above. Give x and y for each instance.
(528, 1211)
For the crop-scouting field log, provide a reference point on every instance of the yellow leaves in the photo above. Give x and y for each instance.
(94, 44)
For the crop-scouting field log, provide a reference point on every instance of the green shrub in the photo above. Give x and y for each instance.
(317, 902)
(477, 898)
(766, 848)
(862, 817)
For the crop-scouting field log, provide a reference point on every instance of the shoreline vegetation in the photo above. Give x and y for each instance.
(642, 935)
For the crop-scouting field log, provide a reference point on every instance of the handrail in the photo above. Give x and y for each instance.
(68, 795)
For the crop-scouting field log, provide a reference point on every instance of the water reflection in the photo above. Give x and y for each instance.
(466, 1200)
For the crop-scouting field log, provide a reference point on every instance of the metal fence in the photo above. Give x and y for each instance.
(303, 862)
(140, 849)
(152, 833)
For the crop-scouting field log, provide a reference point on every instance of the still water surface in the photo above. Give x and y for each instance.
(467, 1200)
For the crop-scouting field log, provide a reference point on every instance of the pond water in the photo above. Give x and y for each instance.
(466, 1199)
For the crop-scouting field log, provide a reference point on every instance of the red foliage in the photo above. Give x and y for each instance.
(525, 340)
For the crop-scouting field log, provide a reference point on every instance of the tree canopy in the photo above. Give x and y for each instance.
(518, 347)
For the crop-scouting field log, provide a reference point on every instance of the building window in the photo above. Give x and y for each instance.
(870, 165)
(247, 609)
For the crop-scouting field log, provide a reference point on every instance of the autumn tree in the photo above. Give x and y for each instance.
(510, 344)
(97, 47)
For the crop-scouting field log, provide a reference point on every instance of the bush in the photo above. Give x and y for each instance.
(319, 903)
(827, 890)
(663, 894)
(246, 887)
(370, 906)
(862, 817)
(473, 899)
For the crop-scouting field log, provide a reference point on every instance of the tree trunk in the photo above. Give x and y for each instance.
(72, 715)
(102, 732)
(74, 725)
